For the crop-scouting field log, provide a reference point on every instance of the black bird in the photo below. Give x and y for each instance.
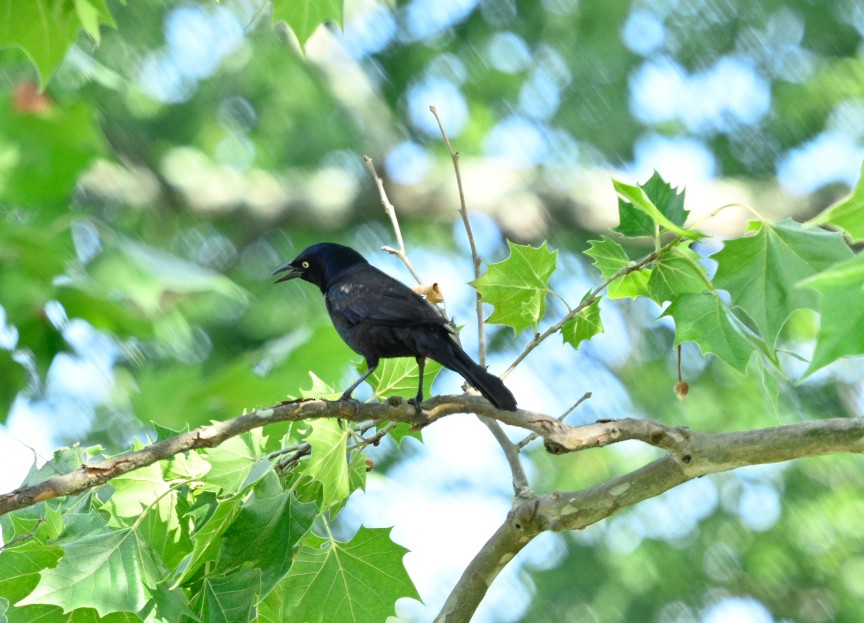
(379, 317)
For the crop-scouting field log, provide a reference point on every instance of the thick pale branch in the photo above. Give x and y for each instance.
(693, 455)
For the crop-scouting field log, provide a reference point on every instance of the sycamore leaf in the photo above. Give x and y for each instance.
(304, 16)
(400, 376)
(234, 461)
(320, 389)
(353, 582)
(636, 222)
(207, 539)
(637, 197)
(841, 289)
(761, 271)
(609, 257)
(585, 325)
(20, 565)
(403, 430)
(261, 524)
(703, 319)
(230, 598)
(328, 463)
(166, 606)
(677, 272)
(517, 287)
(848, 213)
(64, 461)
(109, 570)
(133, 492)
(46, 29)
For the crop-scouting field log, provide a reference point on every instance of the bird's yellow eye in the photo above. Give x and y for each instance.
(304, 264)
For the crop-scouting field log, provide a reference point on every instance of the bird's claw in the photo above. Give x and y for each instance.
(422, 420)
(354, 402)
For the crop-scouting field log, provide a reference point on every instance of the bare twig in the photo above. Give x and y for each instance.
(475, 257)
(391, 212)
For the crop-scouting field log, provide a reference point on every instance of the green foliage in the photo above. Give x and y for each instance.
(610, 258)
(762, 271)
(46, 29)
(771, 272)
(304, 16)
(158, 544)
(585, 325)
(841, 290)
(517, 287)
(367, 570)
(848, 213)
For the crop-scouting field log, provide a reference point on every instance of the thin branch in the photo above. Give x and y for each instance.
(475, 257)
(702, 454)
(390, 209)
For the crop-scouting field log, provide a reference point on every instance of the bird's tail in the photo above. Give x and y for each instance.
(450, 355)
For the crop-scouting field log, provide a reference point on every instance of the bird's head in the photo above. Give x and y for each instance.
(320, 264)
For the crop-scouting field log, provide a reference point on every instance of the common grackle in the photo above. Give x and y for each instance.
(379, 317)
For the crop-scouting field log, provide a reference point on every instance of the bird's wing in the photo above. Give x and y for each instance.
(369, 295)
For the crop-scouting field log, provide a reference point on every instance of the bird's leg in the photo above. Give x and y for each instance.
(371, 364)
(418, 400)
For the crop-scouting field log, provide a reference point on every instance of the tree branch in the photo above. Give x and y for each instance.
(696, 454)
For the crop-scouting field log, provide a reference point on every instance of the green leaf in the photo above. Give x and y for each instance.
(703, 319)
(517, 287)
(109, 570)
(761, 271)
(319, 389)
(64, 461)
(351, 582)
(304, 16)
(206, 540)
(399, 377)
(261, 524)
(677, 272)
(14, 378)
(45, 153)
(134, 492)
(229, 598)
(640, 201)
(609, 257)
(636, 222)
(44, 29)
(841, 333)
(232, 462)
(848, 213)
(20, 565)
(166, 606)
(403, 430)
(327, 462)
(585, 325)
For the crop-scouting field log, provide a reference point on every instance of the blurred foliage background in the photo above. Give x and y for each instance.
(148, 192)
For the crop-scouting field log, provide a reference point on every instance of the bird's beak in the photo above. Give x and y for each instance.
(292, 272)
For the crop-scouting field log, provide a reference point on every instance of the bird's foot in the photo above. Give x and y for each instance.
(354, 402)
(422, 420)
